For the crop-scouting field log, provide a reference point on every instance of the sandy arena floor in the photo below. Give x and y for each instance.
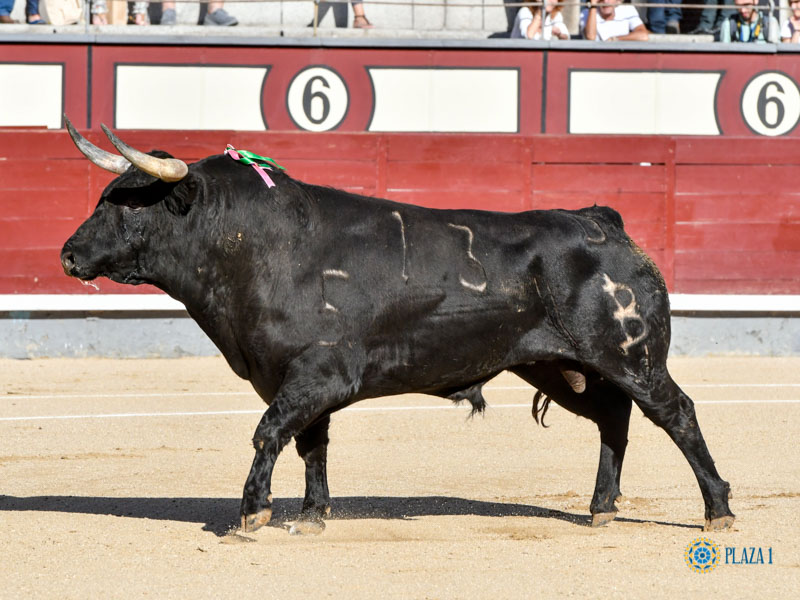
(122, 479)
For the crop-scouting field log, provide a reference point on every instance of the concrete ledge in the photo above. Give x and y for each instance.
(154, 325)
(294, 35)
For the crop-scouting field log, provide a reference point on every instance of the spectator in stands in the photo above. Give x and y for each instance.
(528, 23)
(748, 25)
(609, 21)
(665, 19)
(137, 16)
(712, 17)
(790, 32)
(216, 16)
(6, 6)
(32, 15)
(360, 20)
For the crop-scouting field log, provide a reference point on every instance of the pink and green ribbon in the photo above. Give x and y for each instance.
(258, 162)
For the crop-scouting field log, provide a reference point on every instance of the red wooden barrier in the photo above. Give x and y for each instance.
(717, 215)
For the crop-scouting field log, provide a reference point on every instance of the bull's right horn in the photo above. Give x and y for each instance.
(103, 159)
(166, 169)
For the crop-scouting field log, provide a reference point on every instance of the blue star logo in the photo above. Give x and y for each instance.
(702, 555)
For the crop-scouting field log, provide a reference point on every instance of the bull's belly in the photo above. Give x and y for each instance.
(400, 368)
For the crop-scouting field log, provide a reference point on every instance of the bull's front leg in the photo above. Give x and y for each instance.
(315, 384)
(256, 508)
(286, 417)
(312, 446)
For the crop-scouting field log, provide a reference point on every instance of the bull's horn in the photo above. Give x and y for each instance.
(166, 169)
(102, 158)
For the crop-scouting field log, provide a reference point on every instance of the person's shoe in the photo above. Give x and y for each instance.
(361, 22)
(701, 30)
(6, 19)
(220, 17)
(673, 27)
(169, 17)
(138, 19)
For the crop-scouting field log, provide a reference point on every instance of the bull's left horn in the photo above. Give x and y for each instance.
(166, 169)
(102, 158)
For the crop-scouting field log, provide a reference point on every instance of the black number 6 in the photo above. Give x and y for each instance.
(309, 95)
(763, 101)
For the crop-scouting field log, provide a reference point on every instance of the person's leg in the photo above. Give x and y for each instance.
(99, 12)
(32, 15)
(139, 13)
(725, 33)
(707, 18)
(217, 15)
(725, 13)
(6, 6)
(360, 20)
(656, 19)
(674, 14)
(168, 14)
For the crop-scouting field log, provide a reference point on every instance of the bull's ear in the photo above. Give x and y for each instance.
(180, 199)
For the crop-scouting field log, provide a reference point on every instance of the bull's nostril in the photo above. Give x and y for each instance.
(67, 261)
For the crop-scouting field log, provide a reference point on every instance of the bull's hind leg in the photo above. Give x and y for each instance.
(312, 446)
(672, 410)
(606, 405)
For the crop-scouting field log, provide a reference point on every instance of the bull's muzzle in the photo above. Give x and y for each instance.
(68, 262)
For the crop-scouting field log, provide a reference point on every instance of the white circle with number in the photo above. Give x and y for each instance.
(771, 104)
(317, 99)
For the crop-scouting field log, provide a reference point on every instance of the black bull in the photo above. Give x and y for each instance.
(321, 298)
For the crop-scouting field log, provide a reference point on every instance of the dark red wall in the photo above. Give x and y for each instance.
(718, 215)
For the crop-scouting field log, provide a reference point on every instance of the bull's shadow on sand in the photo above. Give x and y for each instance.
(219, 515)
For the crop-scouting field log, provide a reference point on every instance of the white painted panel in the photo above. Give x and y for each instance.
(648, 103)
(440, 99)
(178, 97)
(31, 95)
(147, 302)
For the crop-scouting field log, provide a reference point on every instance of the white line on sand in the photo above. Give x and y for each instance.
(350, 409)
(490, 388)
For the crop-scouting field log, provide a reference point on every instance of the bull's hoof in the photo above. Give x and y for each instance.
(719, 524)
(307, 527)
(257, 520)
(601, 519)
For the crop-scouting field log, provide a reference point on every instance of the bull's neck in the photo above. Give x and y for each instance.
(189, 274)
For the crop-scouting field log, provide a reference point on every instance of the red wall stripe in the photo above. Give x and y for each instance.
(718, 216)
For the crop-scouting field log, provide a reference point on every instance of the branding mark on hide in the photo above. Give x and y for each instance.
(399, 218)
(478, 287)
(626, 311)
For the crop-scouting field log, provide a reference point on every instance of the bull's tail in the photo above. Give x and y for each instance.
(540, 410)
